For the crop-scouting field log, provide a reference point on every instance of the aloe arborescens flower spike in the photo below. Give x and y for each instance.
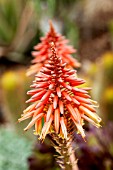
(56, 98)
(42, 51)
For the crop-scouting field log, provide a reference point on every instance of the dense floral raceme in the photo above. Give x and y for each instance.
(42, 51)
(56, 98)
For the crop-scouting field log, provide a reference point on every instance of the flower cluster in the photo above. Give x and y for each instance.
(56, 98)
(42, 51)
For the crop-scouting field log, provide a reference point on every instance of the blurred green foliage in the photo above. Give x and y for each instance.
(14, 150)
(18, 26)
(21, 25)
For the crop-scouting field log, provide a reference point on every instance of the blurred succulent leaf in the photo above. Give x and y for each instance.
(72, 33)
(18, 27)
(9, 17)
(51, 7)
(14, 150)
(38, 7)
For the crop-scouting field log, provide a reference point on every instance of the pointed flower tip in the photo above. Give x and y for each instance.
(51, 26)
(19, 120)
(25, 129)
(84, 138)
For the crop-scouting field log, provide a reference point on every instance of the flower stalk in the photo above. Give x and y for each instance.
(66, 158)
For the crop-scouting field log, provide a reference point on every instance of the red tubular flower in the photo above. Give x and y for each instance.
(42, 51)
(56, 99)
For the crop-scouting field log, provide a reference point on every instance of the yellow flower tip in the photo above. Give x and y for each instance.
(101, 123)
(99, 119)
(45, 129)
(95, 103)
(84, 139)
(25, 129)
(90, 114)
(49, 112)
(35, 133)
(80, 129)
(99, 126)
(19, 120)
(63, 127)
